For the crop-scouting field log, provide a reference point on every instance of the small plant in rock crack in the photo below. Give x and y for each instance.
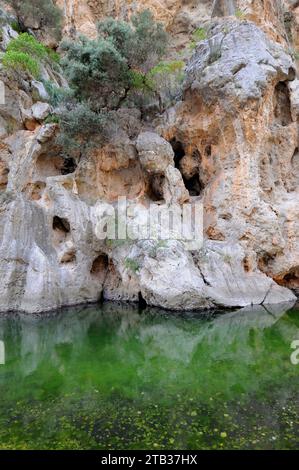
(116, 243)
(52, 119)
(240, 14)
(160, 244)
(199, 35)
(132, 265)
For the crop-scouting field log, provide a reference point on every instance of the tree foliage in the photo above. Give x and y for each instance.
(37, 14)
(105, 73)
(79, 124)
(107, 69)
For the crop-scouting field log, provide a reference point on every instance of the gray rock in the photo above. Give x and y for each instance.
(228, 284)
(155, 153)
(237, 61)
(8, 33)
(157, 158)
(223, 8)
(39, 92)
(40, 110)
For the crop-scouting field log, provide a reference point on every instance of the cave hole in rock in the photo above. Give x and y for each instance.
(141, 302)
(49, 164)
(208, 150)
(53, 164)
(291, 280)
(246, 264)
(282, 109)
(4, 172)
(194, 185)
(34, 191)
(264, 262)
(100, 267)
(61, 225)
(61, 231)
(179, 152)
(155, 189)
(293, 177)
(69, 166)
(295, 158)
(69, 257)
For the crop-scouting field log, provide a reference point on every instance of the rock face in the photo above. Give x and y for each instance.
(240, 117)
(231, 143)
(179, 16)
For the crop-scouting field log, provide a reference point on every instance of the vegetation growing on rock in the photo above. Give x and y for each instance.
(121, 67)
(25, 54)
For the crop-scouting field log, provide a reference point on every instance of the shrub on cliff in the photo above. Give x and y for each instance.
(37, 14)
(106, 72)
(21, 62)
(25, 54)
(167, 79)
(78, 125)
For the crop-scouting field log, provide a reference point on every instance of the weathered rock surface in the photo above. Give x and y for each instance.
(238, 128)
(157, 159)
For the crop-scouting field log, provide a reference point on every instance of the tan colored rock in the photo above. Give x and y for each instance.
(111, 172)
(240, 114)
(179, 17)
(40, 111)
(155, 153)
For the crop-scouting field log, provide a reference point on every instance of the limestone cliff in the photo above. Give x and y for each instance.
(230, 141)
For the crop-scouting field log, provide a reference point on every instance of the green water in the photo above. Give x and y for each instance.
(112, 377)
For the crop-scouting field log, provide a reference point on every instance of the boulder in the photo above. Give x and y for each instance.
(40, 111)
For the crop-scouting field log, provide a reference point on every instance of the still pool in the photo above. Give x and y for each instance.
(114, 377)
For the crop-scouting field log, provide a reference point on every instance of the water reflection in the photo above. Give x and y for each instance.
(173, 340)
(89, 364)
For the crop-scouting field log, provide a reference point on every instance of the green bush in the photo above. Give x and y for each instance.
(57, 95)
(240, 14)
(167, 79)
(107, 72)
(95, 70)
(78, 125)
(16, 27)
(200, 34)
(141, 43)
(25, 54)
(37, 14)
(27, 44)
(108, 68)
(52, 119)
(21, 62)
(175, 66)
(141, 81)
